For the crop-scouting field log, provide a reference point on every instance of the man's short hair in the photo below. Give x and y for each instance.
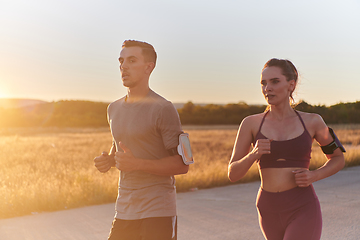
(148, 50)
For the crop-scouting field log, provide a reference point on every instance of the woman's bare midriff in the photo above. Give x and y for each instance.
(277, 179)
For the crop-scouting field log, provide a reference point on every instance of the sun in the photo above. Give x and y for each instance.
(2, 95)
(3, 91)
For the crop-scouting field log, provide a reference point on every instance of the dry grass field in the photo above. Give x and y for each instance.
(52, 169)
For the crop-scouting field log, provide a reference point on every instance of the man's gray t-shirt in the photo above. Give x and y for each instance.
(148, 128)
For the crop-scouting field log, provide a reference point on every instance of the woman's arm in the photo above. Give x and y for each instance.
(335, 161)
(242, 159)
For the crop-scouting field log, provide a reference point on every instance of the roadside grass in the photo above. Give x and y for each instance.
(52, 169)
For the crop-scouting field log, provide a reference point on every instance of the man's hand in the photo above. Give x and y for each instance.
(125, 161)
(104, 162)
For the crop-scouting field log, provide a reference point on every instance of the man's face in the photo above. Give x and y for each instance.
(133, 67)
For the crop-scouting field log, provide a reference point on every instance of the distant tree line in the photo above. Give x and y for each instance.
(217, 114)
(235, 113)
(338, 113)
(93, 114)
(56, 114)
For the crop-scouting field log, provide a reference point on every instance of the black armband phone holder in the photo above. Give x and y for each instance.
(330, 148)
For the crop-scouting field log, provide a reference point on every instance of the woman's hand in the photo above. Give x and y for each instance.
(262, 146)
(304, 177)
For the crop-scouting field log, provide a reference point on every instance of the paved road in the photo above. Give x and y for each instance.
(225, 213)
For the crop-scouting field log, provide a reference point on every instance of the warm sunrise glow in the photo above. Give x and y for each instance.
(6, 81)
(217, 58)
(3, 92)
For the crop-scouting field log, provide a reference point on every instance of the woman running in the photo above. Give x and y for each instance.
(282, 138)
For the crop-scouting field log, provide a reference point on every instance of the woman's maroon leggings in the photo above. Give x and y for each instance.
(294, 214)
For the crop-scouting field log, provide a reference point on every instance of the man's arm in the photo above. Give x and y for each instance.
(167, 166)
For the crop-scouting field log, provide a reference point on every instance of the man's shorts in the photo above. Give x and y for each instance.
(157, 228)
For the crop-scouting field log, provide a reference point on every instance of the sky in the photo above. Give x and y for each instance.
(208, 51)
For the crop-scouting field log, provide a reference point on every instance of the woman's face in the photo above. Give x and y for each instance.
(275, 87)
